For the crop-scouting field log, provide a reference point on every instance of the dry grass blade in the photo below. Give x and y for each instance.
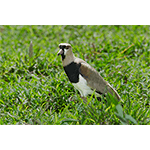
(127, 48)
(31, 51)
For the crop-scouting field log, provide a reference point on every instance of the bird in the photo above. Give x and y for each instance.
(82, 75)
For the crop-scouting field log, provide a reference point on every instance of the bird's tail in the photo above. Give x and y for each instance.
(112, 91)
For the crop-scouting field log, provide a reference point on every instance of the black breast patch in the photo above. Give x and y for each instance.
(72, 71)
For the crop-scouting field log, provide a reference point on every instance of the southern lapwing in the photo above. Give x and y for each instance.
(84, 77)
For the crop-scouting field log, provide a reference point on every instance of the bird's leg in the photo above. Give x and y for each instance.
(71, 99)
(84, 98)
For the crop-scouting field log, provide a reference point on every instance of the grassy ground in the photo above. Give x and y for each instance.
(35, 90)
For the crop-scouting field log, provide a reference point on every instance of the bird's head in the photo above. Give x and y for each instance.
(65, 49)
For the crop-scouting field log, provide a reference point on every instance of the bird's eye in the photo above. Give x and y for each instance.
(67, 47)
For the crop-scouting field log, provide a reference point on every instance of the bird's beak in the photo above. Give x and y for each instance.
(60, 52)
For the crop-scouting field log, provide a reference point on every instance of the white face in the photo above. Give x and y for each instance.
(64, 48)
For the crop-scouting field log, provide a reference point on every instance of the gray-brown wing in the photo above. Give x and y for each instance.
(94, 79)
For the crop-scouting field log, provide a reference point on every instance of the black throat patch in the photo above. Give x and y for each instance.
(72, 71)
(62, 55)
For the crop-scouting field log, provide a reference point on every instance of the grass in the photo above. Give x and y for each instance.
(35, 90)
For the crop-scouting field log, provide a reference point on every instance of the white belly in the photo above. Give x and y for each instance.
(82, 87)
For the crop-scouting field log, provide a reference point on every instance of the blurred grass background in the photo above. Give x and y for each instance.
(35, 89)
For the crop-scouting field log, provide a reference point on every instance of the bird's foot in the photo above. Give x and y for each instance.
(84, 99)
